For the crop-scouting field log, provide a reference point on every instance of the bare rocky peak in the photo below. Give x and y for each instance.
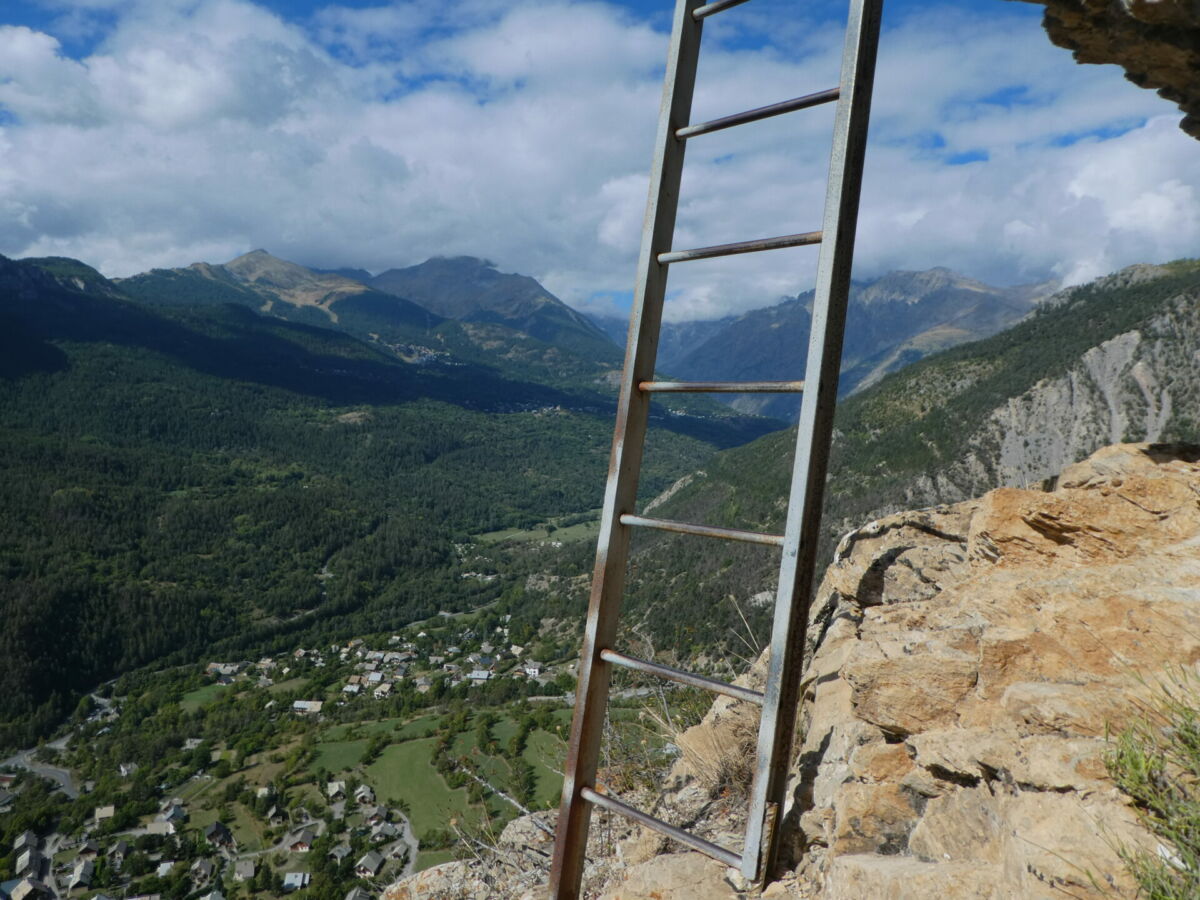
(278, 279)
(459, 286)
(913, 287)
(260, 267)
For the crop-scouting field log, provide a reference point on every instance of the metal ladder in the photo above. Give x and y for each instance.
(799, 542)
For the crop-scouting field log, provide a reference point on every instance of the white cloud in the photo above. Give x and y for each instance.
(522, 131)
(38, 83)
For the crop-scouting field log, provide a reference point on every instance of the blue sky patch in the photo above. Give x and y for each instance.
(967, 156)
(1104, 133)
(1012, 95)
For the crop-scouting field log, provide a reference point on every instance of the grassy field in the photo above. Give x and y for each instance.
(201, 696)
(338, 756)
(492, 769)
(246, 828)
(400, 729)
(571, 533)
(194, 789)
(404, 772)
(261, 771)
(284, 686)
(545, 753)
(310, 796)
(418, 727)
(199, 819)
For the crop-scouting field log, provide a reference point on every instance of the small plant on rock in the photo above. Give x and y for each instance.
(1156, 761)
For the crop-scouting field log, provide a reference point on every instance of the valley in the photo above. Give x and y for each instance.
(186, 479)
(263, 551)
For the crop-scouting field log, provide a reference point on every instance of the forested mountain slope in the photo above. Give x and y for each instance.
(194, 479)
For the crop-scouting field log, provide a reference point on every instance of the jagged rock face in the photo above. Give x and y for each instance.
(1157, 42)
(967, 663)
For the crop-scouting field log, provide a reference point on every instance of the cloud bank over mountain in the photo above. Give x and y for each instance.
(139, 133)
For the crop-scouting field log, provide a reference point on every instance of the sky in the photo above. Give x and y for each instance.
(157, 133)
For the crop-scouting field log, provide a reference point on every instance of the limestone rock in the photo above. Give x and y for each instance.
(449, 880)
(954, 728)
(678, 876)
(515, 868)
(904, 878)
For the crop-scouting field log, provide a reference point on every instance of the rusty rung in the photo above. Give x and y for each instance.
(757, 115)
(775, 243)
(672, 674)
(728, 534)
(715, 7)
(721, 387)
(716, 851)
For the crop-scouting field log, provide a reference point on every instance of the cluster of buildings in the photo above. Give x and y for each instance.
(378, 671)
(39, 879)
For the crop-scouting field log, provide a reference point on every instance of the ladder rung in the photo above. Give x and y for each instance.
(716, 851)
(715, 7)
(721, 387)
(728, 534)
(775, 243)
(672, 674)
(755, 115)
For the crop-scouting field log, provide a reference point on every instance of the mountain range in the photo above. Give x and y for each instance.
(473, 290)
(462, 306)
(892, 321)
(468, 307)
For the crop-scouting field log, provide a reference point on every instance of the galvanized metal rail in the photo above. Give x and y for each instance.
(819, 388)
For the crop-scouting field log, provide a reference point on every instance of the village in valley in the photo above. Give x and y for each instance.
(329, 771)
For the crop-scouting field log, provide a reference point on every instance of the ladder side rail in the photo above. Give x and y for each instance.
(608, 578)
(797, 568)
